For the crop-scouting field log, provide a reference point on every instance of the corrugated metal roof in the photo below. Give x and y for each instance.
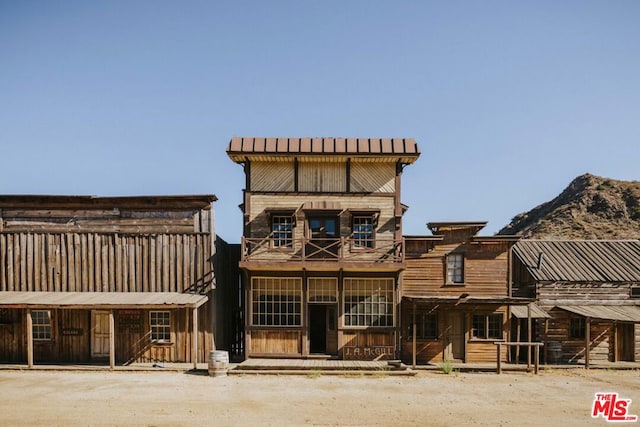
(92, 299)
(581, 260)
(521, 312)
(624, 313)
(240, 148)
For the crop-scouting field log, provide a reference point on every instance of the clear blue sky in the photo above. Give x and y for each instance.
(508, 100)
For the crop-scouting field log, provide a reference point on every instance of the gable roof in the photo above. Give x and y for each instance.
(581, 260)
(241, 149)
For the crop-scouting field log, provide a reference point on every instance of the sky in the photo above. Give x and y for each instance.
(508, 101)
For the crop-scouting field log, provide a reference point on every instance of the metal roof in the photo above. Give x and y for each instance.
(102, 299)
(624, 313)
(242, 148)
(521, 312)
(580, 260)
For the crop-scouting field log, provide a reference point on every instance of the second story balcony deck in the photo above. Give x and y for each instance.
(346, 253)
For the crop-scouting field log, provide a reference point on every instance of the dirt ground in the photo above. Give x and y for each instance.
(72, 398)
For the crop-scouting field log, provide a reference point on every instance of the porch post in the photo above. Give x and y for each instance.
(587, 341)
(194, 338)
(414, 333)
(112, 340)
(529, 335)
(29, 339)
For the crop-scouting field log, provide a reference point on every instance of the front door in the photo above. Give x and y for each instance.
(317, 328)
(625, 342)
(324, 237)
(99, 334)
(454, 349)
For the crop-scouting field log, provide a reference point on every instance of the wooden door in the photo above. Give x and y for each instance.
(625, 342)
(455, 333)
(99, 334)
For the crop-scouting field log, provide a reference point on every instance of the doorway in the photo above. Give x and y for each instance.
(625, 342)
(99, 334)
(455, 332)
(323, 334)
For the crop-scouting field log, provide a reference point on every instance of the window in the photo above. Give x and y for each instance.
(276, 301)
(41, 325)
(577, 328)
(322, 289)
(282, 231)
(426, 326)
(368, 302)
(363, 231)
(160, 325)
(455, 268)
(635, 292)
(487, 326)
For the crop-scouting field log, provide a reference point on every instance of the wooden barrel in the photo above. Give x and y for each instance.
(218, 363)
(554, 352)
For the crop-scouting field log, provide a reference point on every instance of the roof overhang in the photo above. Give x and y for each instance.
(622, 313)
(93, 300)
(522, 312)
(457, 300)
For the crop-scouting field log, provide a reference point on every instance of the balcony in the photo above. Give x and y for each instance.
(321, 254)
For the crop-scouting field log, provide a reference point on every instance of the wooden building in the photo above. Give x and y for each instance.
(107, 279)
(456, 294)
(322, 250)
(591, 290)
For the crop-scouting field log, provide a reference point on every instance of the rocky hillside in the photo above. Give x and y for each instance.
(591, 207)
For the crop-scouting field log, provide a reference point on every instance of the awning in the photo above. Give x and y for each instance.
(92, 300)
(624, 313)
(467, 299)
(521, 312)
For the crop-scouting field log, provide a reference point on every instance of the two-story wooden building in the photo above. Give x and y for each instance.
(591, 290)
(106, 279)
(322, 250)
(456, 294)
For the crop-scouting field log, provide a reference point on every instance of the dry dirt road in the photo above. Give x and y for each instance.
(71, 398)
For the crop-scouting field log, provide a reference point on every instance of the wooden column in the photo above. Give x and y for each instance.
(587, 341)
(29, 339)
(414, 338)
(112, 340)
(194, 338)
(529, 336)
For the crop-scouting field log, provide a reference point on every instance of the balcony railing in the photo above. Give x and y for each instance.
(344, 249)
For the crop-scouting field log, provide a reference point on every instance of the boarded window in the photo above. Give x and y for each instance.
(276, 301)
(322, 289)
(41, 325)
(160, 322)
(368, 302)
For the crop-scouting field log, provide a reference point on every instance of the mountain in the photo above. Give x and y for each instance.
(591, 207)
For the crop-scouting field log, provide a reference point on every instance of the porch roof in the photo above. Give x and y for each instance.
(521, 312)
(624, 313)
(100, 299)
(466, 299)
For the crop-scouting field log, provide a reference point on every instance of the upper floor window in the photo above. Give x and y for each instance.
(455, 268)
(282, 231)
(363, 231)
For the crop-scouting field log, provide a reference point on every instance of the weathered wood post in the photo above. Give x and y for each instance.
(414, 337)
(112, 340)
(194, 338)
(29, 339)
(587, 342)
(499, 365)
(529, 336)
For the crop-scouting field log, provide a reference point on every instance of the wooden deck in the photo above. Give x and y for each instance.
(324, 366)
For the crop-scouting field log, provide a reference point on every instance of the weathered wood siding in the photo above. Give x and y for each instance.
(373, 177)
(91, 262)
(368, 344)
(276, 341)
(322, 176)
(550, 294)
(272, 176)
(485, 269)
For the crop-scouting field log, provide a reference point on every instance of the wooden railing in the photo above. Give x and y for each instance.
(344, 249)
